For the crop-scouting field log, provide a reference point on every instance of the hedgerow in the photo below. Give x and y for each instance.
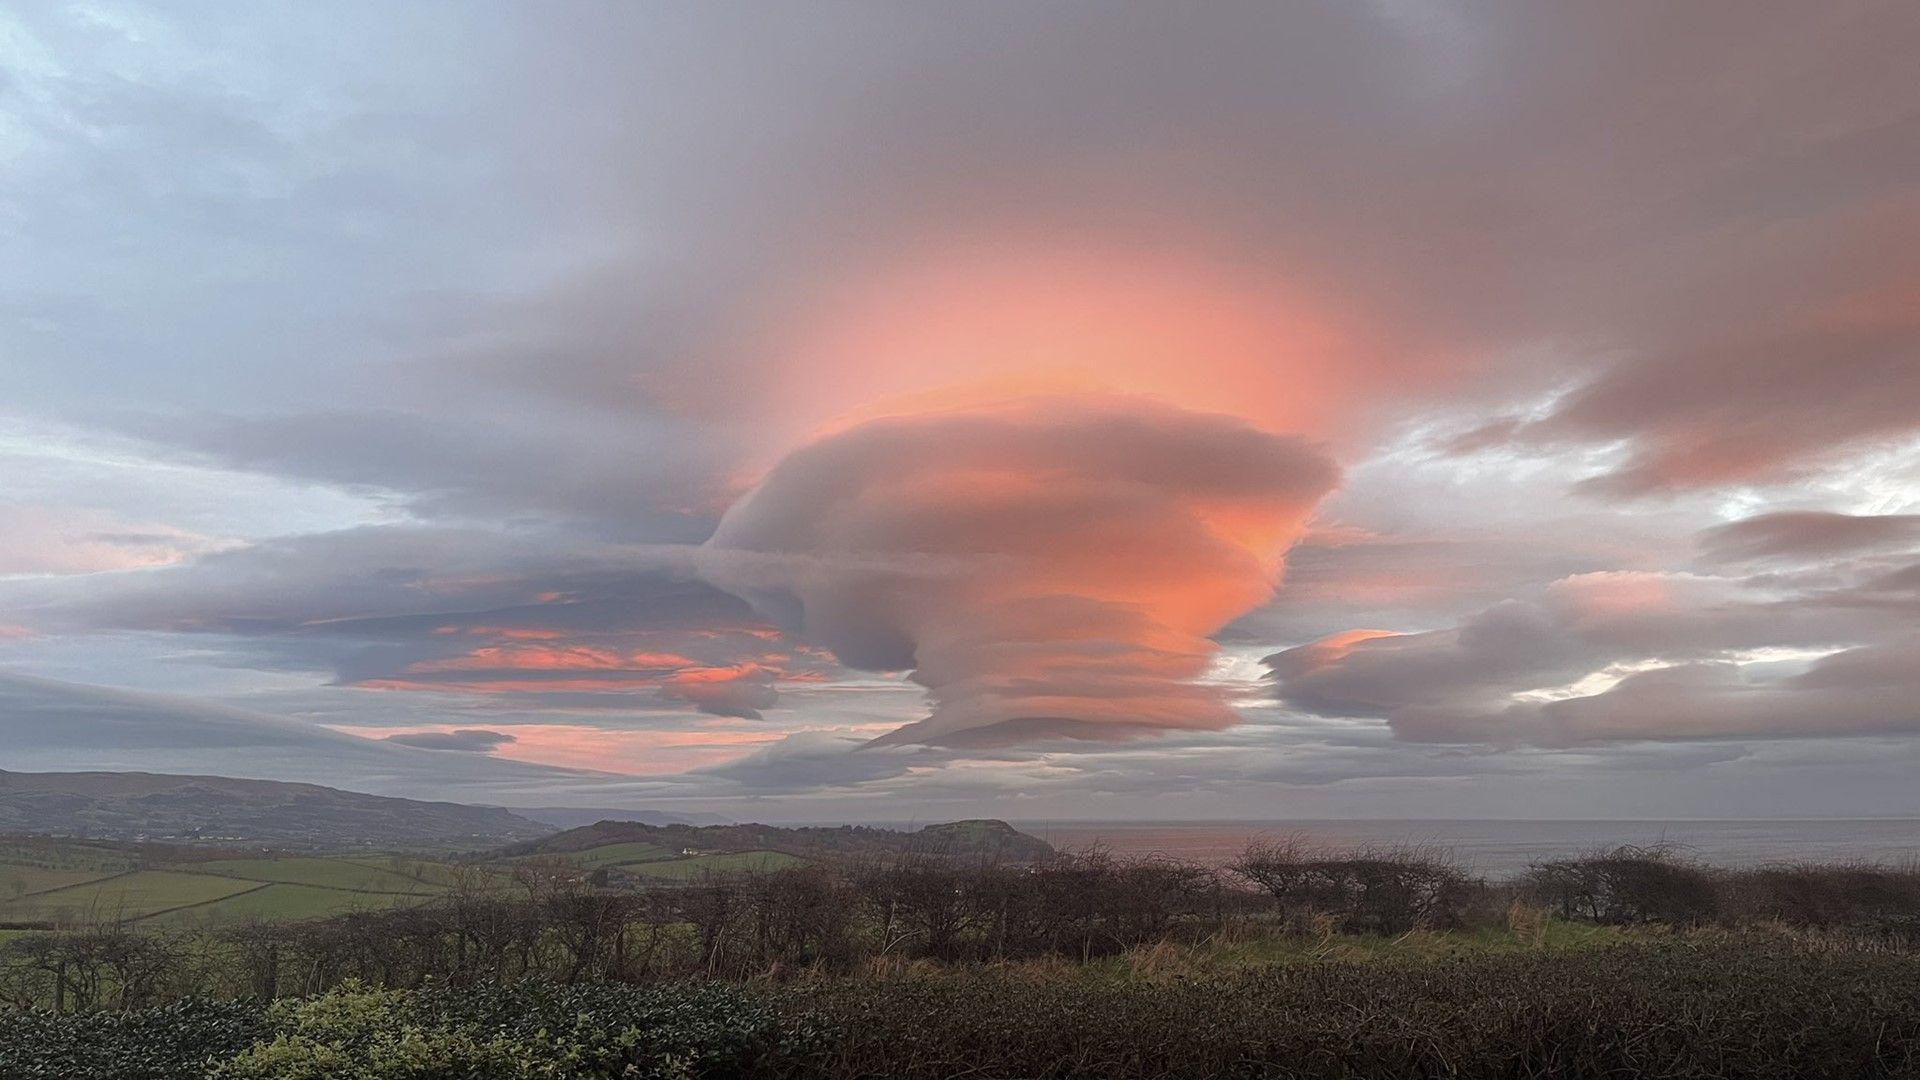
(179, 1039)
(1673, 1009)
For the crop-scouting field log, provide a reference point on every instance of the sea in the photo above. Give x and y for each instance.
(1500, 849)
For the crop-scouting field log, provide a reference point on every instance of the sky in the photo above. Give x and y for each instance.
(860, 411)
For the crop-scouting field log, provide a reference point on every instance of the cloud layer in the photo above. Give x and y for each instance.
(383, 371)
(1050, 568)
(1817, 652)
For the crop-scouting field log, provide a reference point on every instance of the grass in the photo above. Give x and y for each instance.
(65, 855)
(695, 865)
(286, 902)
(321, 873)
(73, 882)
(63, 881)
(437, 875)
(128, 896)
(619, 854)
(18, 881)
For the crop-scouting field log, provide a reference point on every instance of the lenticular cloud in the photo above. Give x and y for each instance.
(1045, 569)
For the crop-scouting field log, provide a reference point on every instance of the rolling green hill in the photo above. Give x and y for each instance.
(980, 838)
(129, 805)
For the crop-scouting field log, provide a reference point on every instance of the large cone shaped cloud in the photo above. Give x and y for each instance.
(1050, 568)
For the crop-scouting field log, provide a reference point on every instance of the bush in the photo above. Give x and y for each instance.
(1864, 896)
(525, 1031)
(1740, 1009)
(169, 1042)
(1365, 891)
(1626, 885)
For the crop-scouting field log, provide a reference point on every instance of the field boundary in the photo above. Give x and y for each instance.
(89, 881)
(204, 903)
(311, 885)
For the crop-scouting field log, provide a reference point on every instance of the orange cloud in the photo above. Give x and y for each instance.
(964, 318)
(1047, 567)
(577, 746)
(538, 660)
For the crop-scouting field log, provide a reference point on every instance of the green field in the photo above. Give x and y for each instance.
(70, 882)
(695, 865)
(74, 883)
(282, 902)
(619, 854)
(64, 855)
(23, 881)
(436, 875)
(351, 875)
(127, 896)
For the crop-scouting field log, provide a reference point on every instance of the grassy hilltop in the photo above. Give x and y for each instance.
(141, 806)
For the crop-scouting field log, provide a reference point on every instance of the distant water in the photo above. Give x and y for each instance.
(1504, 848)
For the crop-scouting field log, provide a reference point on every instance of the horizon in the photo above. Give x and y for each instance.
(1391, 412)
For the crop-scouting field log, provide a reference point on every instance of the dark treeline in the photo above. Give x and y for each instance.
(1396, 890)
(558, 924)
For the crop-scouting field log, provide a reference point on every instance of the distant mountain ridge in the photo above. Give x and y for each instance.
(981, 837)
(567, 817)
(161, 806)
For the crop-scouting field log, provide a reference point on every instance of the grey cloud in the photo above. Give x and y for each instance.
(1807, 534)
(1676, 655)
(538, 617)
(628, 475)
(361, 573)
(474, 740)
(810, 760)
(50, 725)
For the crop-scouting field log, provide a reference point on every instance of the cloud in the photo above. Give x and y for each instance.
(812, 760)
(614, 474)
(480, 311)
(1807, 534)
(69, 540)
(1817, 364)
(531, 616)
(477, 740)
(49, 725)
(1048, 569)
(741, 691)
(1632, 656)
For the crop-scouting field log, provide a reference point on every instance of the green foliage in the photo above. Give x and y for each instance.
(354, 1033)
(528, 1031)
(170, 1042)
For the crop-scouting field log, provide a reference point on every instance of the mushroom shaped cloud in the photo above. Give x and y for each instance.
(1046, 568)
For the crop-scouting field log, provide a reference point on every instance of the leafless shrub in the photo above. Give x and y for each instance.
(1368, 890)
(1626, 885)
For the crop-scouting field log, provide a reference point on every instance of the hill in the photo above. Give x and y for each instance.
(976, 838)
(133, 805)
(569, 817)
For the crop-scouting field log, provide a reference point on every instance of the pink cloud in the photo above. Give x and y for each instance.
(1048, 568)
